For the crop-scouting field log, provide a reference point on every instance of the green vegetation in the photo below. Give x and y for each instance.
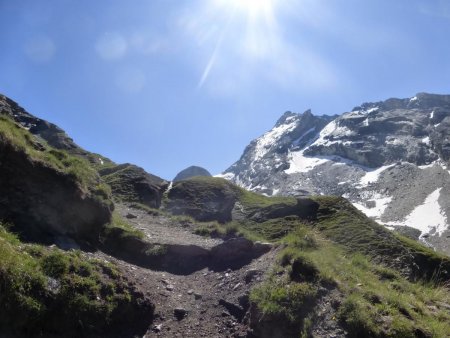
(375, 301)
(40, 151)
(224, 231)
(146, 208)
(252, 202)
(48, 291)
(119, 226)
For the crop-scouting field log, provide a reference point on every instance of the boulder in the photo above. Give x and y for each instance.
(203, 198)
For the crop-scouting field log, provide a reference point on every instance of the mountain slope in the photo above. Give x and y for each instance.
(216, 260)
(388, 158)
(128, 182)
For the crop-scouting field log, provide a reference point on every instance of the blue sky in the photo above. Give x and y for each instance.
(166, 84)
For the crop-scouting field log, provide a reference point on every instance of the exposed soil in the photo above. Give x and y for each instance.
(160, 229)
(204, 303)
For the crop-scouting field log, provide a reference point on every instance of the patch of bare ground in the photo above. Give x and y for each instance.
(208, 302)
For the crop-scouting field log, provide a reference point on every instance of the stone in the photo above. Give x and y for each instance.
(251, 274)
(180, 313)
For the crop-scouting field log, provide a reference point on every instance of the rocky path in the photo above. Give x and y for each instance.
(160, 229)
(204, 303)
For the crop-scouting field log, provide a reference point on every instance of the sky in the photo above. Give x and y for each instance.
(166, 84)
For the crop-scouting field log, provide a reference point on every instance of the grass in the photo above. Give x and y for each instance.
(50, 291)
(376, 300)
(225, 231)
(149, 210)
(251, 201)
(39, 151)
(130, 183)
(119, 225)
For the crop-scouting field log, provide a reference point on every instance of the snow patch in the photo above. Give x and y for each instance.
(334, 130)
(413, 99)
(271, 137)
(426, 140)
(394, 141)
(432, 115)
(371, 110)
(227, 176)
(425, 166)
(381, 204)
(372, 176)
(297, 141)
(299, 163)
(428, 217)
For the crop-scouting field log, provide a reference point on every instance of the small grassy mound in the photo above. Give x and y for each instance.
(50, 292)
(203, 198)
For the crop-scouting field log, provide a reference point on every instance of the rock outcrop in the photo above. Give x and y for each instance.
(203, 198)
(131, 183)
(191, 171)
(44, 201)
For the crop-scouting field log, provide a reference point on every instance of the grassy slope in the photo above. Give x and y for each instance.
(341, 249)
(51, 291)
(38, 150)
(90, 293)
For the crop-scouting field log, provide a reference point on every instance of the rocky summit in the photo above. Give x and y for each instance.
(91, 248)
(389, 158)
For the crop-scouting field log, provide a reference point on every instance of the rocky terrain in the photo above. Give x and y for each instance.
(90, 248)
(388, 158)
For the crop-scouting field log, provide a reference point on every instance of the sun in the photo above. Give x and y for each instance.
(253, 7)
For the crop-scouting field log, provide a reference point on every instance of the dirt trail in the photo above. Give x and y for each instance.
(160, 229)
(204, 303)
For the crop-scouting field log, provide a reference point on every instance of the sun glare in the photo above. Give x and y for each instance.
(253, 26)
(253, 6)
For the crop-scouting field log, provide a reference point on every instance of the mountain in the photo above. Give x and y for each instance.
(191, 171)
(90, 248)
(389, 158)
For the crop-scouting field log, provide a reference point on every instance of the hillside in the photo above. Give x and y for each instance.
(389, 158)
(92, 248)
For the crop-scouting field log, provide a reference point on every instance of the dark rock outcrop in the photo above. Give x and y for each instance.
(203, 198)
(191, 171)
(55, 136)
(43, 201)
(131, 183)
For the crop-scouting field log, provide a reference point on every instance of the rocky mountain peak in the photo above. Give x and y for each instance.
(389, 158)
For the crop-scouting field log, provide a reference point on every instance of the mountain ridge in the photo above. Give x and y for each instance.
(375, 155)
(203, 256)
